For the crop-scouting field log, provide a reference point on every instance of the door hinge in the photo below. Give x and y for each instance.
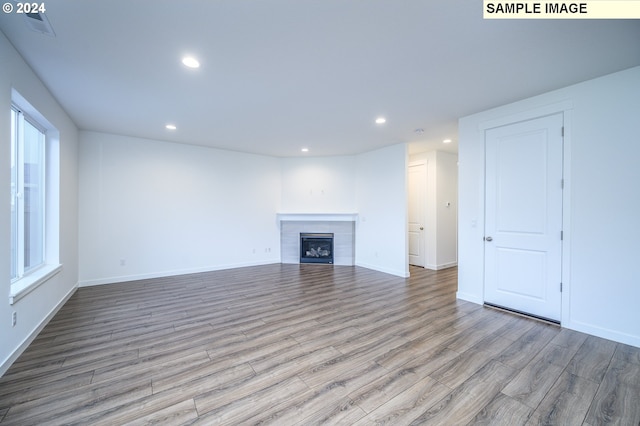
(560, 287)
(562, 132)
(561, 235)
(561, 183)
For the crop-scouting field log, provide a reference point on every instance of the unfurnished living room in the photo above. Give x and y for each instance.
(317, 212)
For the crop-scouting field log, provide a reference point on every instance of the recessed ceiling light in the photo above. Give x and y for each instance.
(305, 150)
(446, 141)
(191, 62)
(381, 120)
(170, 127)
(419, 131)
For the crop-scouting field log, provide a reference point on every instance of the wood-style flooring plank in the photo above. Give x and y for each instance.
(468, 399)
(177, 414)
(627, 353)
(408, 405)
(618, 398)
(401, 378)
(248, 401)
(533, 382)
(592, 359)
(566, 403)
(502, 411)
(518, 354)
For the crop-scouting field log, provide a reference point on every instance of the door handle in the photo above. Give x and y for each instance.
(488, 239)
(421, 228)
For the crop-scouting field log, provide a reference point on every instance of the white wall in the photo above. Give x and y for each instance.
(601, 207)
(151, 208)
(34, 310)
(381, 202)
(446, 210)
(164, 208)
(318, 185)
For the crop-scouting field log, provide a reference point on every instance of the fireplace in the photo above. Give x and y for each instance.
(316, 248)
(340, 225)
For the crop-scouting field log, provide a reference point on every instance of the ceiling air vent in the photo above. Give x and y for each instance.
(39, 23)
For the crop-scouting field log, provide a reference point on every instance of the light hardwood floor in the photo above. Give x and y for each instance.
(311, 344)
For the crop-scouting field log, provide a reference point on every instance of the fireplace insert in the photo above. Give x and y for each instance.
(316, 248)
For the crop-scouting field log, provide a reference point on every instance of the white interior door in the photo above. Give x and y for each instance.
(417, 183)
(523, 217)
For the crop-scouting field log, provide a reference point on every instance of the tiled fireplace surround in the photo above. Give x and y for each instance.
(342, 225)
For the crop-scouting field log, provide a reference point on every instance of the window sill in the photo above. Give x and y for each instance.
(26, 285)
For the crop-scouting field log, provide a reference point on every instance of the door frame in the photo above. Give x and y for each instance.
(565, 108)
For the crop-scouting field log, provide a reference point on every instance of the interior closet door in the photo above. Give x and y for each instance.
(523, 216)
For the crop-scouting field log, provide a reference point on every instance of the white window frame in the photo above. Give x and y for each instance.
(18, 193)
(27, 281)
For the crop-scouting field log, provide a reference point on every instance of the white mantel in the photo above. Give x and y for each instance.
(317, 217)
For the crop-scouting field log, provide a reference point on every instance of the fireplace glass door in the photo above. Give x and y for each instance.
(316, 248)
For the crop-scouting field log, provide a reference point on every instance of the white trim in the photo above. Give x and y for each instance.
(441, 266)
(172, 273)
(526, 115)
(28, 283)
(31, 337)
(469, 298)
(604, 333)
(324, 217)
(565, 310)
(397, 273)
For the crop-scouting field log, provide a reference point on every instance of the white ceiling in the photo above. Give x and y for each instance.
(280, 75)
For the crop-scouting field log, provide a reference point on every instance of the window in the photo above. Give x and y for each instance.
(27, 195)
(35, 175)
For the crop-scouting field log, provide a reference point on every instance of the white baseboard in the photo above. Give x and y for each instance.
(441, 266)
(605, 333)
(171, 273)
(31, 337)
(469, 298)
(397, 273)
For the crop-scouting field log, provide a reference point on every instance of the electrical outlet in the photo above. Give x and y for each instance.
(14, 319)
(123, 262)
